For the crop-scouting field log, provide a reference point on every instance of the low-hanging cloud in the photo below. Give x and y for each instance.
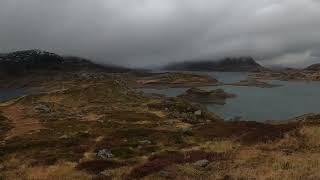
(155, 32)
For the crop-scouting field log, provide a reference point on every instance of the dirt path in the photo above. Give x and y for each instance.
(22, 124)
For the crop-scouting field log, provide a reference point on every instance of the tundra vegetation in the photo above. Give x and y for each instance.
(96, 125)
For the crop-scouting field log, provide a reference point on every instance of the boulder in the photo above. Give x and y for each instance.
(198, 113)
(146, 142)
(104, 154)
(201, 163)
(42, 108)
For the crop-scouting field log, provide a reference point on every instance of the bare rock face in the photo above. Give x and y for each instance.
(217, 96)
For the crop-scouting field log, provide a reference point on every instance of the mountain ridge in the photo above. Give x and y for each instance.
(28, 61)
(240, 64)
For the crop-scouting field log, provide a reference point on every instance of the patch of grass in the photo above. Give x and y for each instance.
(46, 147)
(123, 152)
(312, 135)
(5, 126)
(58, 171)
(132, 116)
(220, 145)
(247, 133)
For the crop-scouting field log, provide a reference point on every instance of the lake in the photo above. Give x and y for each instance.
(7, 94)
(259, 104)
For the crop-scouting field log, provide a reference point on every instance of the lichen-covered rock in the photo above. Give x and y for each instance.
(104, 154)
(201, 163)
(42, 108)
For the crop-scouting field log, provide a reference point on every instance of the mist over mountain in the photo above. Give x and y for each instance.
(232, 64)
(153, 33)
(20, 63)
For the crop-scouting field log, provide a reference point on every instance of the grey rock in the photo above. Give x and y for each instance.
(64, 137)
(105, 173)
(198, 113)
(164, 173)
(42, 108)
(201, 163)
(185, 130)
(145, 142)
(104, 154)
(170, 122)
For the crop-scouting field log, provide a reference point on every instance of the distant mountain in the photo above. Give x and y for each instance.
(22, 62)
(237, 64)
(278, 67)
(314, 67)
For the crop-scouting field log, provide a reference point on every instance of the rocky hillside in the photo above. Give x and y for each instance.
(24, 62)
(313, 67)
(240, 64)
(107, 130)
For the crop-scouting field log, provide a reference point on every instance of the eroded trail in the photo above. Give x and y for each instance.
(22, 124)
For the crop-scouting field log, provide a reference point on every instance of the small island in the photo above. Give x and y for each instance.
(176, 79)
(253, 83)
(217, 96)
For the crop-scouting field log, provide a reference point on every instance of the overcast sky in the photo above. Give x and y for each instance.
(154, 32)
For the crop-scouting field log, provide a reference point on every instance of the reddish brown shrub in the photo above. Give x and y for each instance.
(193, 156)
(148, 168)
(96, 166)
(160, 161)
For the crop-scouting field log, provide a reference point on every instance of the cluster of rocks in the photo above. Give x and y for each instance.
(190, 117)
(42, 108)
(179, 108)
(104, 154)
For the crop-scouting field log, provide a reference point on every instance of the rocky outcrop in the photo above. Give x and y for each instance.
(179, 108)
(217, 96)
(236, 64)
(23, 63)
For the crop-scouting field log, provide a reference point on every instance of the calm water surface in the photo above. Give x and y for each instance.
(259, 104)
(6, 94)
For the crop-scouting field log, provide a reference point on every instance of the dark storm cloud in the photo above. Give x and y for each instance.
(153, 32)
